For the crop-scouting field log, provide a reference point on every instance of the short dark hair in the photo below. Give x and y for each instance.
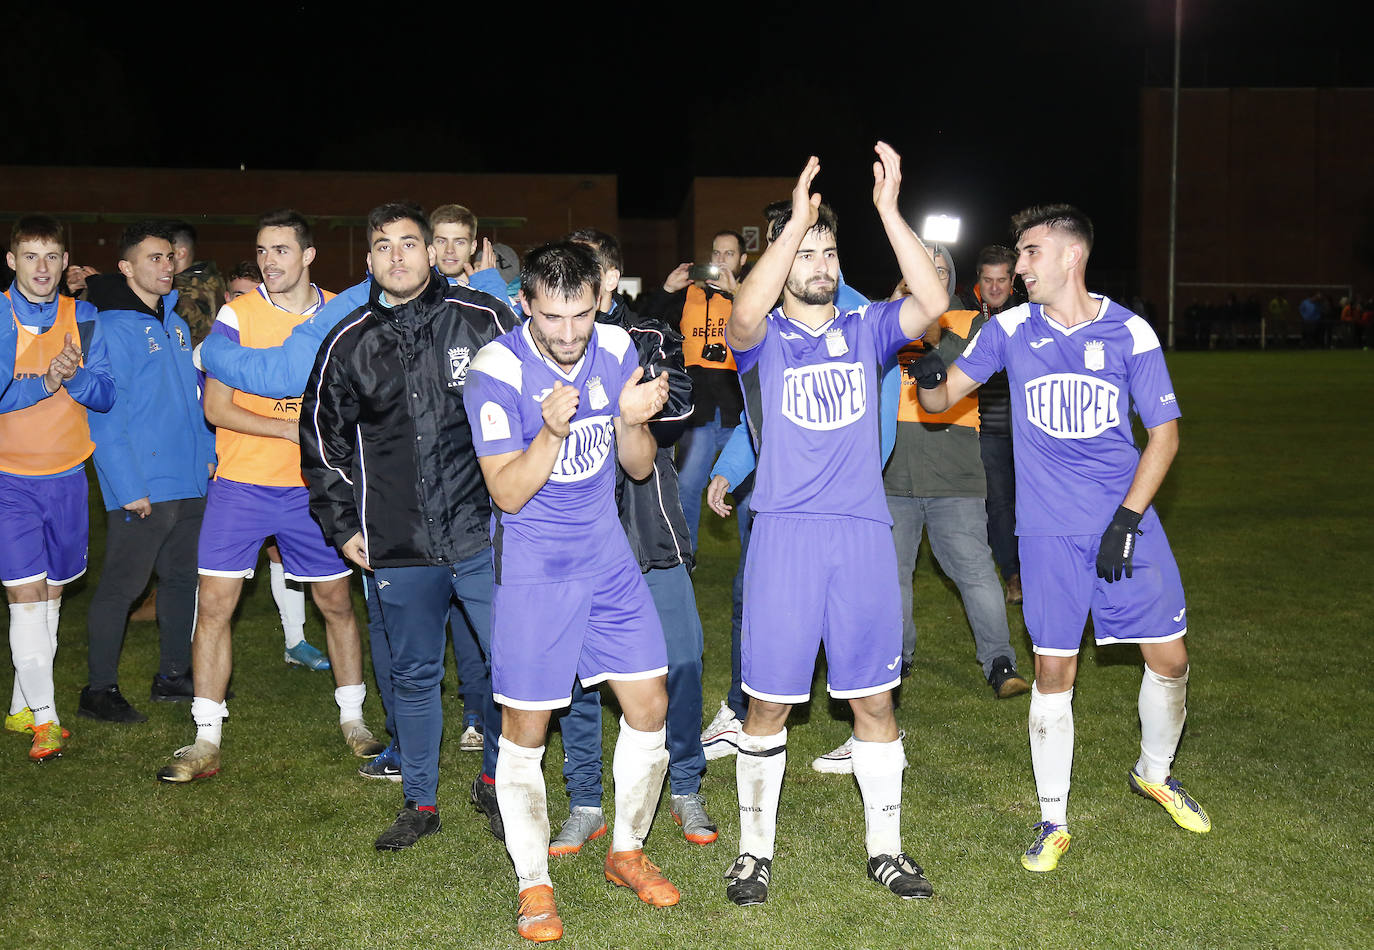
(739, 238)
(1061, 217)
(138, 232)
(392, 211)
(995, 254)
(244, 270)
(560, 268)
(288, 218)
(603, 245)
(181, 232)
(453, 214)
(780, 212)
(37, 227)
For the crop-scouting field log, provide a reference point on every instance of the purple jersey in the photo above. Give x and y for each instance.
(1072, 389)
(811, 400)
(570, 528)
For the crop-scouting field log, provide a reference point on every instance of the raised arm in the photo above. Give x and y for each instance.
(513, 477)
(634, 444)
(764, 284)
(928, 295)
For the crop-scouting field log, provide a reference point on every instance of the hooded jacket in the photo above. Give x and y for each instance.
(385, 444)
(153, 442)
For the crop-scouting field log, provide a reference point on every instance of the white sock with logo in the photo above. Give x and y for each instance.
(350, 699)
(524, 806)
(290, 604)
(759, 766)
(1163, 710)
(31, 650)
(878, 770)
(209, 717)
(638, 766)
(1051, 742)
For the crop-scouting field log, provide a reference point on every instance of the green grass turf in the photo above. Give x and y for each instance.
(1268, 508)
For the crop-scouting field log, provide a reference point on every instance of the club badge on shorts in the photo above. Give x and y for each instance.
(834, 342)
(596, 393)
(1094, 355)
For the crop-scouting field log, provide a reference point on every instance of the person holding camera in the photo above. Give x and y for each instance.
(696, 299)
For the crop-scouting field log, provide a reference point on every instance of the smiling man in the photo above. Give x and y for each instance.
(553, 406)
(154, 456)
(1090, 539)
(258, 492)
(387, 453)
(44, 503)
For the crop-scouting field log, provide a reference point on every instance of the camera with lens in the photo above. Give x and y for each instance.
(714, 352)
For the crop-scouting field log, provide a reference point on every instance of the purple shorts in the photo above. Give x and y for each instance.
(1059, 577)
(595, 628)
(809, 581)
(239, 517)
(44, 527)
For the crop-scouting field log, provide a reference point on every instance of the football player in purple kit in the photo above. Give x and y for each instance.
(548, 404)
(822, 567)
(1090, 540)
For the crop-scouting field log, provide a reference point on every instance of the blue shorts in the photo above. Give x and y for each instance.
(809, 581)
(239, 517)
(1059, 578)
(44, 528)
(595, 628)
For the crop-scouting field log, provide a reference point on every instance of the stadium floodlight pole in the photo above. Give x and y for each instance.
(1173, 171)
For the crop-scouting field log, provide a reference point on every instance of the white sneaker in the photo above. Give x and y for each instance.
(721, 737)
(840, 761)
(471, 740)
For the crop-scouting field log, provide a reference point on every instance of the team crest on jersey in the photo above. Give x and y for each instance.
(1095, 354)
(458, 359)
(585, 450)
(181, 338)
(826, 396)
(1072, 406)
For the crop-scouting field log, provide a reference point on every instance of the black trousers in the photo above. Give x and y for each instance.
(135, 547)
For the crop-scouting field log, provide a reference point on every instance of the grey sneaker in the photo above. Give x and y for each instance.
(360, 739)
(840, 760)
(471, 740)
(689, 811)
(582, 825)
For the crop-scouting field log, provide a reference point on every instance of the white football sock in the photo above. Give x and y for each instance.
(1162, 713)
(209, 717)
(1051, 742)
(638, 767)
(16, 694)
(54, 612)
(524, 811)
(31, 649)
(350, 700)
(878, 770)
(290, 604)
(759, 766)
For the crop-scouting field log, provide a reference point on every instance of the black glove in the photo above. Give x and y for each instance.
(1118, 545)
(929, 371)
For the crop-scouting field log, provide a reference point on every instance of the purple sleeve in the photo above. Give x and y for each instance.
(885, 321)
(985, 353)
(1152, 390)
(746, 359)
(493, 411)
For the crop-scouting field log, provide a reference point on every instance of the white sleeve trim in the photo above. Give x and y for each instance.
(1142, 335)
(500, 363)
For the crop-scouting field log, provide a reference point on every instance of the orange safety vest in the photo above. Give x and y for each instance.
(53, 435)
(256, 459)
(962, 413)
(703, 322)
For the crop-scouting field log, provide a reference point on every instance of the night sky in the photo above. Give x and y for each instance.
(993, 105)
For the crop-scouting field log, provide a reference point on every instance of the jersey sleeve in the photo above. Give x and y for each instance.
(1152, 391)
(491, 400)
(883, 320)
(746, 360)
(985, 353)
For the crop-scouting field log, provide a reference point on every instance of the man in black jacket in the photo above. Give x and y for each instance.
(651, 513)
(387, 453)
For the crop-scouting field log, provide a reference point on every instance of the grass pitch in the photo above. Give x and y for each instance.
(1268, 509)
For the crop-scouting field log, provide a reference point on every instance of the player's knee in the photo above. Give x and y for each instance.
(33, 593)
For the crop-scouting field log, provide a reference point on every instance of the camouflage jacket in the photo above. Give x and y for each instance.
(201, 290)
